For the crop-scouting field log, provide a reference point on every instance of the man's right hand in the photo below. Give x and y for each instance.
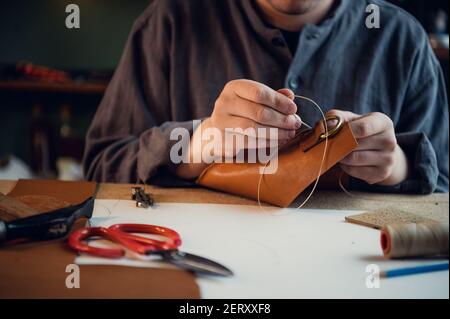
(245, 104)
(248, 104)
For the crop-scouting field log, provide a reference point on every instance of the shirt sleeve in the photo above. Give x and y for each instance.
(422, 129)
(129, 138)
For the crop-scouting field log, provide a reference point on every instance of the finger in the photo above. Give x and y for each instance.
(248, 127)
(368, 158)
(369, 174)
(251, 142)
(345, 115)
(384, 141)
(260, 142)
(262, 94)
(288, 93)
(264, 115)
(234, 143)
(370, 124)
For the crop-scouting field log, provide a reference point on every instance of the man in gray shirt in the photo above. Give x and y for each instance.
(238, 64)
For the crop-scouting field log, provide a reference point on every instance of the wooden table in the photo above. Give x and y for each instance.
(438, 203)
(49, 259)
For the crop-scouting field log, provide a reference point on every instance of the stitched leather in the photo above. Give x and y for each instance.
(298, 167)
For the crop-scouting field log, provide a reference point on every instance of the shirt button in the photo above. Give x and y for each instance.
(293, 83)
(278, 42)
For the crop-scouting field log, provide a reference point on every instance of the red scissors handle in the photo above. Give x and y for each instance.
(123, 234)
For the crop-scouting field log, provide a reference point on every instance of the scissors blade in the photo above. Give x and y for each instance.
(196, 263)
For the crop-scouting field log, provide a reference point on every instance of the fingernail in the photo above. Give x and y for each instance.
(299, 121)
(292, 108)
(291, 121)
(331, 123)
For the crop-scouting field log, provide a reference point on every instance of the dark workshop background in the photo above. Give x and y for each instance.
(44, 112)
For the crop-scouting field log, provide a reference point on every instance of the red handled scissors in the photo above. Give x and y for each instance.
(125, 235)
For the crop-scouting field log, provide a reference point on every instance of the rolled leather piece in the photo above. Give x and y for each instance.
(298, 167)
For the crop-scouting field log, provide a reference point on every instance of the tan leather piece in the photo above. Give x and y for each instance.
(64, 192)
(298, 167)
(38, 270)
(42, 203)
(12, 208)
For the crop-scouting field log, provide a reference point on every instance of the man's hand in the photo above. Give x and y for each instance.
(378, 159)
(245, 104)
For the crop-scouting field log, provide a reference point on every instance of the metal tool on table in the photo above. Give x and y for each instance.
(143, 199)
(125, 235)
(46, 226)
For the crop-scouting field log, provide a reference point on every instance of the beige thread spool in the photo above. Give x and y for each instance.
(414, 240)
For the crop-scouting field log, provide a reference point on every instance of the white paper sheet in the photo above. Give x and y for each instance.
(275, 253)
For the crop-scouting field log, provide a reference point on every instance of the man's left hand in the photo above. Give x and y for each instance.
(378, 159)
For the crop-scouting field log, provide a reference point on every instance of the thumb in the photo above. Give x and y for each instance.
(345, 115)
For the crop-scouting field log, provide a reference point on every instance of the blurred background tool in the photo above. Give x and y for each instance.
(143, 199)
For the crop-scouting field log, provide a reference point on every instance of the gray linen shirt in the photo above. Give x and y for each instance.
(180, 54)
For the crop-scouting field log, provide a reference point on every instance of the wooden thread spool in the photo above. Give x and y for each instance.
(415, 240)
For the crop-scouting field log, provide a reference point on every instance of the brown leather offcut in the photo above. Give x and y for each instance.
(298, 167)
(38, 269)
(45, 195)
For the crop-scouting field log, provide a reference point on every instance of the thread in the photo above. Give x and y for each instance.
(321, 163)
(415, 240)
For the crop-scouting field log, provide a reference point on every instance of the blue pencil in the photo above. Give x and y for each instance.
(413, 270)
